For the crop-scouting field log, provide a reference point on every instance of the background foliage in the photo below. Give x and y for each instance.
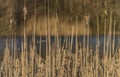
(66, 10)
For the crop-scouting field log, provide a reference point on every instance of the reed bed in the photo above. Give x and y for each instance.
(60, 60)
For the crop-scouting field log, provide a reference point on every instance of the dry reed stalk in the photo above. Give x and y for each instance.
(49, 41)
(113, 40)
(97, 49)
(110, 33)
(84, 44)
(104, 38)
(76, 52)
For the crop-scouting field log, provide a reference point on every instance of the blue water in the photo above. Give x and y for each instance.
(92, 42)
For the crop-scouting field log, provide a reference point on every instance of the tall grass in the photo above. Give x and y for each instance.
(59, 60)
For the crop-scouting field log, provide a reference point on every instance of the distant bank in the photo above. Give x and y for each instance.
(53, 26)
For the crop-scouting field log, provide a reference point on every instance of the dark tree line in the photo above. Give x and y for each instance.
(65, 9)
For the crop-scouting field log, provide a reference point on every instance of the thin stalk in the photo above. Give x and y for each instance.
(76, 53)
(84, 41)
(104, 51)
(49, 40)
(110, 34)
(72, 38)
(113, 42)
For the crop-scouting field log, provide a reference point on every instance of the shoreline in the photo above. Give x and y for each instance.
(17, 36)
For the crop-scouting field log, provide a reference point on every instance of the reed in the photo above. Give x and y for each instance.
(60, 60)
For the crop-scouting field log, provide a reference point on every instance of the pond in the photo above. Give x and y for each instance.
(64, 41)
